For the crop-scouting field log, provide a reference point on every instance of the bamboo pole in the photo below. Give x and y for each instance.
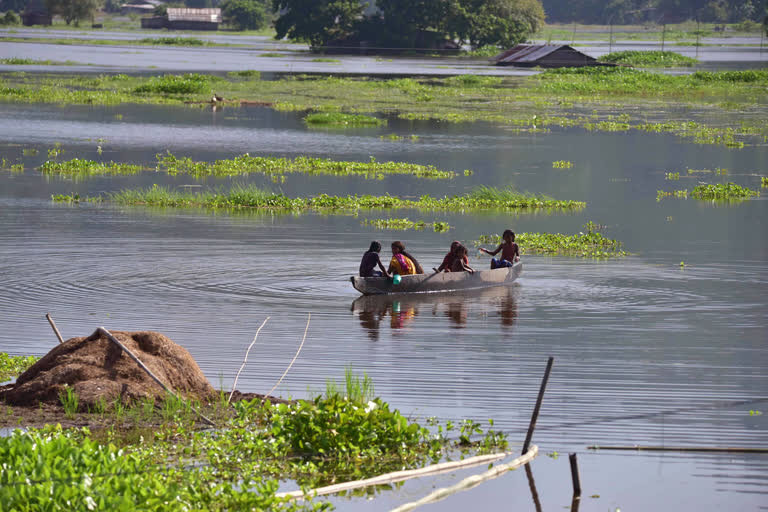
(245, 359)
(102, 331)
(709, 449)
(53, 326)
(470, 482)
(536, 409)
(532, 486)
(397, 476)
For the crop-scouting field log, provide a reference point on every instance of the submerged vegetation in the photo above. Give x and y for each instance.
(12, 366)
(482, 198)
(589, 243)
(719, 191)
(343, 120)
(649, 58)
(152, 457)
(79, 167)
(403, 224)
(536, 103)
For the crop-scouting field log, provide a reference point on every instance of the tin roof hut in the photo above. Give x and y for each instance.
(193, 19)
(545, 55)
(36, 13)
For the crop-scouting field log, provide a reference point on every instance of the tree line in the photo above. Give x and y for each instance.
(654, 11)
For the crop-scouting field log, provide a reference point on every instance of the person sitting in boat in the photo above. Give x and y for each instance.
(510, 252)
(370, 260)
(449, 258)
(460, 262)
(403, 263)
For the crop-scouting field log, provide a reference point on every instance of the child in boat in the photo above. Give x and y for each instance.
(403, 263)
(510, 252)
(370, 260)
(448, 259)
(460, 261)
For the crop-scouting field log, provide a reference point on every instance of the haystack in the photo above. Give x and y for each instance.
(97, 369)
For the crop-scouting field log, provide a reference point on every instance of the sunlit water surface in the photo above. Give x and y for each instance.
(647, 351)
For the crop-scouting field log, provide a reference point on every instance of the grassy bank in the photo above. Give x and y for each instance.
(153, 457)
(554, 98)
(482, 198)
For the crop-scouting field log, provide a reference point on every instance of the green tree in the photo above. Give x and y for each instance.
(501, 22)
(244, 14)
(73, 10)
(317, 21)
(404, 20)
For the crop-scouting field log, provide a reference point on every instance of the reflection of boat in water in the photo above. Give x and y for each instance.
(438, 282)
(402, 309)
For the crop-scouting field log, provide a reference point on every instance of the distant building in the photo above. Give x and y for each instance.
(185, 19)
(36, 13)
(546, 56)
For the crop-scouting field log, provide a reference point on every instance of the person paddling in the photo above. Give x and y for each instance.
(510, 252)
(403, 263)
(370, 260)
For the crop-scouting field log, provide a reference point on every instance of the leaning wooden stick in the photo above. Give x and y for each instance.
(309, 317)
(245, 359)
(471, 482)
(397, 476)
(712, 449)
(537, 408)
(53, 326)
(102, 331)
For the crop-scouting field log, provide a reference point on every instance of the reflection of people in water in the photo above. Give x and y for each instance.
(458, 314)
(401, 316)
(508, 311)
(370, 321)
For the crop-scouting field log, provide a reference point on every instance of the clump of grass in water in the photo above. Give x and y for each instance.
(673, 176)
(189, 83)
(764, 181)
(403, 224)
(344, 120)
(246, 164)
(11, 366)
(662, 194)
(589, 243)
(250, 74)
(653, 58)
(562, 164)
(326, 59)
(483, 198)
(173, 41)
(723, 191)
(77, 166)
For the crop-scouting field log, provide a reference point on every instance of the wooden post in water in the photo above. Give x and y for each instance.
(575, 476)
(536, 409)
(53, 326)
(663, 35)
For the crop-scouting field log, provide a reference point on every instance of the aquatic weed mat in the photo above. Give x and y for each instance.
(617, 99)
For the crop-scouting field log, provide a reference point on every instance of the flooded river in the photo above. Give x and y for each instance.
(647, 351)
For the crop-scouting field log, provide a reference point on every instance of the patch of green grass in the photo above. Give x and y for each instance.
(338, 119)
(723, 191)
(271, 54)
(247, 164)
(12, 366)
(326, 59)
(174, 41)
(764, 181)
(190, 83)
(250, 74)
(653, 58)
(562, 164)
(405, 223)
(80, 167)
(482, 198)
(483, 52)
(17, 61)
(589, 243)
(69, 401)
(663, 194)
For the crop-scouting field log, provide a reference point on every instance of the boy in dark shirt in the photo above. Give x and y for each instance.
(510, 252)
(370, 260)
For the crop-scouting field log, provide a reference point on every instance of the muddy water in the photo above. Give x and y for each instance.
(646, 352)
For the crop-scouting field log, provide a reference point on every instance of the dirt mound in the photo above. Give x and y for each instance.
(94, 367)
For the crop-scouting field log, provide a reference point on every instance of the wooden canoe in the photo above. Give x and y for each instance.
(440, 282)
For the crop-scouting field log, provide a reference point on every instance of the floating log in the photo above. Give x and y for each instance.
(399, 476)
(471, 482)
